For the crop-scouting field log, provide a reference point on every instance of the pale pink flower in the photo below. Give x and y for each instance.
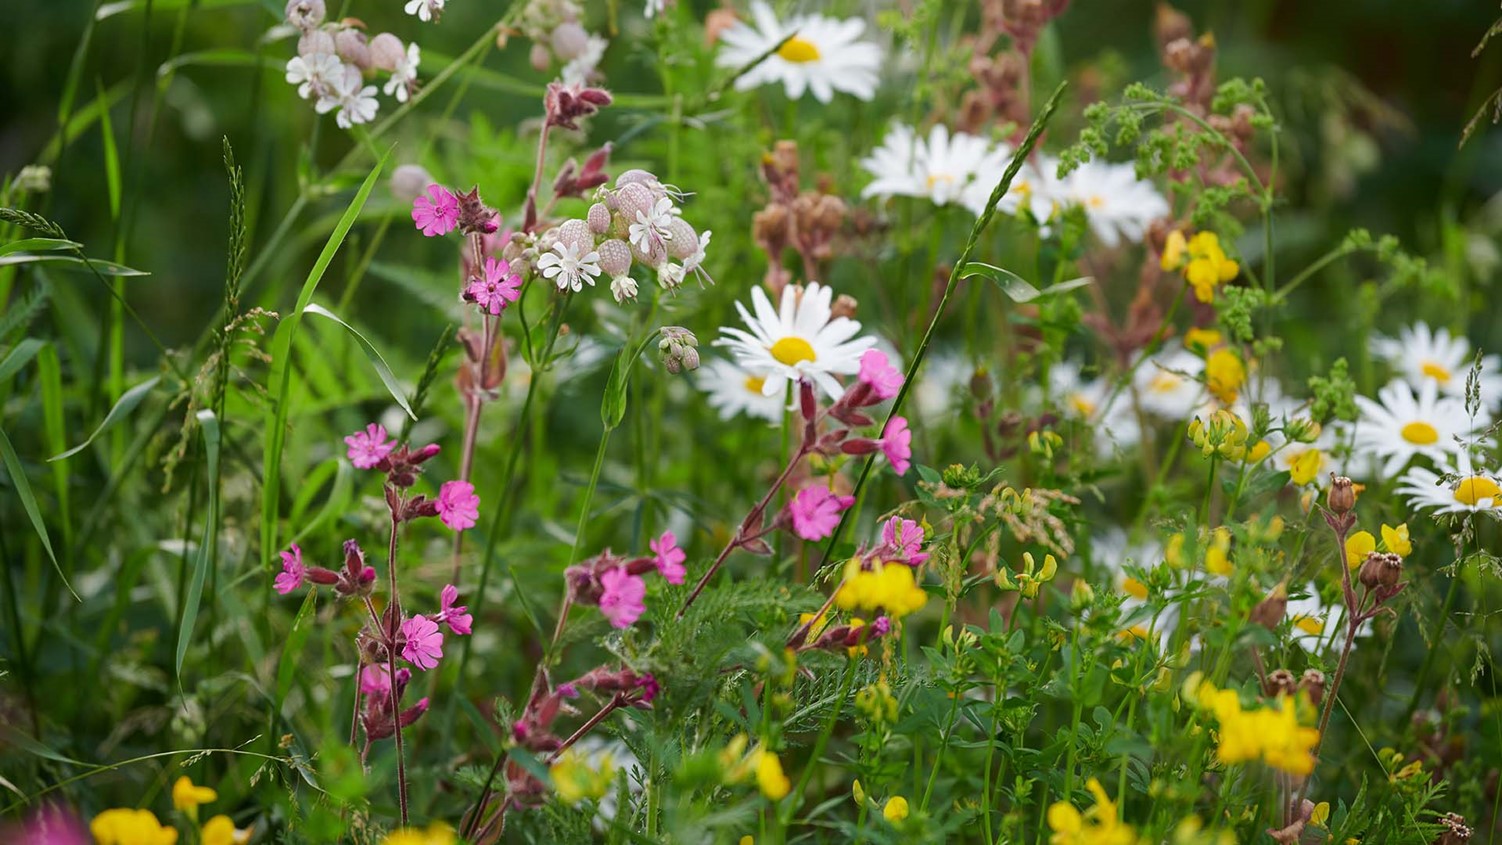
(458, 506)
(885, 380)
(622, 602)
(669, 557)
(897, 444)
(816, 511)
(369, 447)
(424, 646)
(500, 287)
(375, 679)
(904, 538)
(457, 617)
(437, 213)
(294, 573)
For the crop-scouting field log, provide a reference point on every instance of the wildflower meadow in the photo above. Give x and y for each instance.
(1014, 422)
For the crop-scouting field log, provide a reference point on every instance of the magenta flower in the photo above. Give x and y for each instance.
(885, 380)
(369, 447)
(458, 506)
(649, 687)
(904, 538)
(622, 600)
(375, 679)
(499, 288)
(424, 647)
(437, 213)
(897, 444)
(816, 512)
(294, 573)
(669, 557)
(457, 617)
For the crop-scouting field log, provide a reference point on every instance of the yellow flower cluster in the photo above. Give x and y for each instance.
(436, 833)
(1362, 543)
(122, 826)
(574, 779)
(1222, 433)
(1031, 578)
(1099, 825)
(1202, 260)
(1224, 374)
(1272, 735)
(890, 587)
(762, 764)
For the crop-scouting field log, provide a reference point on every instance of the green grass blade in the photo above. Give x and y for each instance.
(372, 354)
(122, 409)
(111, 159)
(37, 245)
(286, 665)
(19, 356)
(29, 502)
(50, 374)
(106, 268)
(208, 423)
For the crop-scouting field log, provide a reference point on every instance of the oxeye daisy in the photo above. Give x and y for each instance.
(1420, 354)
(1399, 426)
(824, 55)
(1469, 490)
(733, 391)
(1106, 411)
(797, 340)
(1168, 384)
(941, 168)
(568, 269)
(1117, 204)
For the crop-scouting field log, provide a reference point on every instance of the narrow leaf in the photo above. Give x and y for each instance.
(372, 354)
(208, 423)
(111, 158)
(286, 666)
(1016, 287)
(37, 245)
(128, 402)
(19, 356)
(29, 502)
(105, 268)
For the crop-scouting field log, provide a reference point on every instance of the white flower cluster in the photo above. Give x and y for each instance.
(334, 61)
(557, 36)
(634, 223)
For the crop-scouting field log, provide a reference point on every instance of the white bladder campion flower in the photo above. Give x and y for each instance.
(425, 10)
(568, 269)
(314, 73)
(355, 101)
(404, 75)
(824, 55)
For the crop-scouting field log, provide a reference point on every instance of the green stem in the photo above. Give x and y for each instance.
(796, 799)
(933, 775)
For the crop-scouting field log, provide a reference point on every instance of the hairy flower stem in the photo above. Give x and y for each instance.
(1353, 621)
(394, 613)
(530, 220)
(477, 394)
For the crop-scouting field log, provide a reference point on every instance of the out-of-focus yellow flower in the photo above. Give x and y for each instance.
(876, 702)
(1099, 825)
(1218, 555)
(1222, 433)
(1396, 540)
(1203, 261)
(769, 776)
(221, 830)
(895, 809)
(1174, 248)
(748, 839)
(1173, 553)
(131, 827)
(1202, 340)
(858, 792)
(436, 833)
(1224, 374)
(1271, 735)
(1258, 452)
(890, 587)
(574, 779)
(1321, 815)
(1304, 467)
(1358, 546)
(186, 796)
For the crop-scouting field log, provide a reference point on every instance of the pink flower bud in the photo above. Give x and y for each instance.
(409, 181)
(540, 57)
(350, 45)
(576, 233)
(386, 52)
(685, 240)
(598, 218)
(615, 257)
(314, 42)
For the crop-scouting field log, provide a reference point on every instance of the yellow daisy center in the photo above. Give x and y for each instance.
(799, 50)
(1472, 490)
(1096, 201)
(936, 178)
(1420, 433)
(793, 350)
(1309, 625)
(754, 384)
(1134, 588)
(1084, 406)
(1163, 383)
(1436, 372)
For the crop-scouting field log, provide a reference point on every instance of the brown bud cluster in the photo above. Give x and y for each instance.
(808, 221)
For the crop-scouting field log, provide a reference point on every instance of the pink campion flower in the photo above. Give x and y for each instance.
(649, 687)
(424, 646)
(885, 379)
(437, 213)
(904, 537)
(816, 511)
(897, 444)
(458, 506)
(499, 287)
(622, 602)
(457, 617)
(294, 573)
(369, 447)
(669, 557)
(375, 679)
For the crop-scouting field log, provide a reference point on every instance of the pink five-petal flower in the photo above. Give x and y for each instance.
(816, 512)
(457, 617)
(294, 573)
(424, 646)
(897, 444)
(885, 379)
(904, 538)
(437, 213)
(669, 557)
(375, 679)
(369, 447)
(458, 506)
(500, 287)
(622, 602)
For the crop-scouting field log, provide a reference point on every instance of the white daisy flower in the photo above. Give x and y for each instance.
(1117, 204)
(1400, 426)
(942, 168)
(355, 101)
(1421, 354)
(1111, 418)
(404, 75)
(1035, 190)
(567, 268)
(797, 340)
(425, 10)
(945, 374)
(1167, 385)
(582, 67)
(1317, 624)
(1473, 490)
(734, 391)
(653, 226)
(315, 73)
(823, 56)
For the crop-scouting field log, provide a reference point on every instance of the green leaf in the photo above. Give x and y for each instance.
(613, 403)
(371, 354)
(105, 268)
(111, 158)
(50, 376)
(1016, 287)
(26, 743)
(128, 402)
(38, 245)
(286, 665)
(19, 356)
(29, 503)
(208, 423)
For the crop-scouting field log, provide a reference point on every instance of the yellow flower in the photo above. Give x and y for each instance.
(1206, 265)
(769, 777)
(1321, 815)
(1201, 340)
(895, 809)
(220, 830)
(891, 587)
(1358, 546)
(1031, 578)
(1223, 433)
(1099, 825)
(187, 797)
(748, 840)
(1218, 556)
(857, 623)
(1396, 540)
(1305, 466)
(575, 780)
(1173, 251)
(130, 827)
(1224, 374)
(1258, 452)
(1272, 735)
(436, 833)
(1173, 553)
(858, 792)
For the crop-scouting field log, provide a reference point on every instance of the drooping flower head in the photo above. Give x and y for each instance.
(824, 55)
(369, 447)
(800, 339)
(437, 213)
(293, 573)
(897, 444)
(456, 616)
(622, 599)
(458, 505)
(885, 380)
(424, 642)
(569, 268)
(815, 512)
(669, 558)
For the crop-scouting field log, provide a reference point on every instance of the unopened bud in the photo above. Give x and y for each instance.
(387, 51)
(1342, 495)
(305, 14)
(1279, 682)
(1313, 683)
(598, 218)
(540, 57)
(844, 305)
(569, 40)
(409, 181)
(1381, 571)
(350, 46)
(1269, 612)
